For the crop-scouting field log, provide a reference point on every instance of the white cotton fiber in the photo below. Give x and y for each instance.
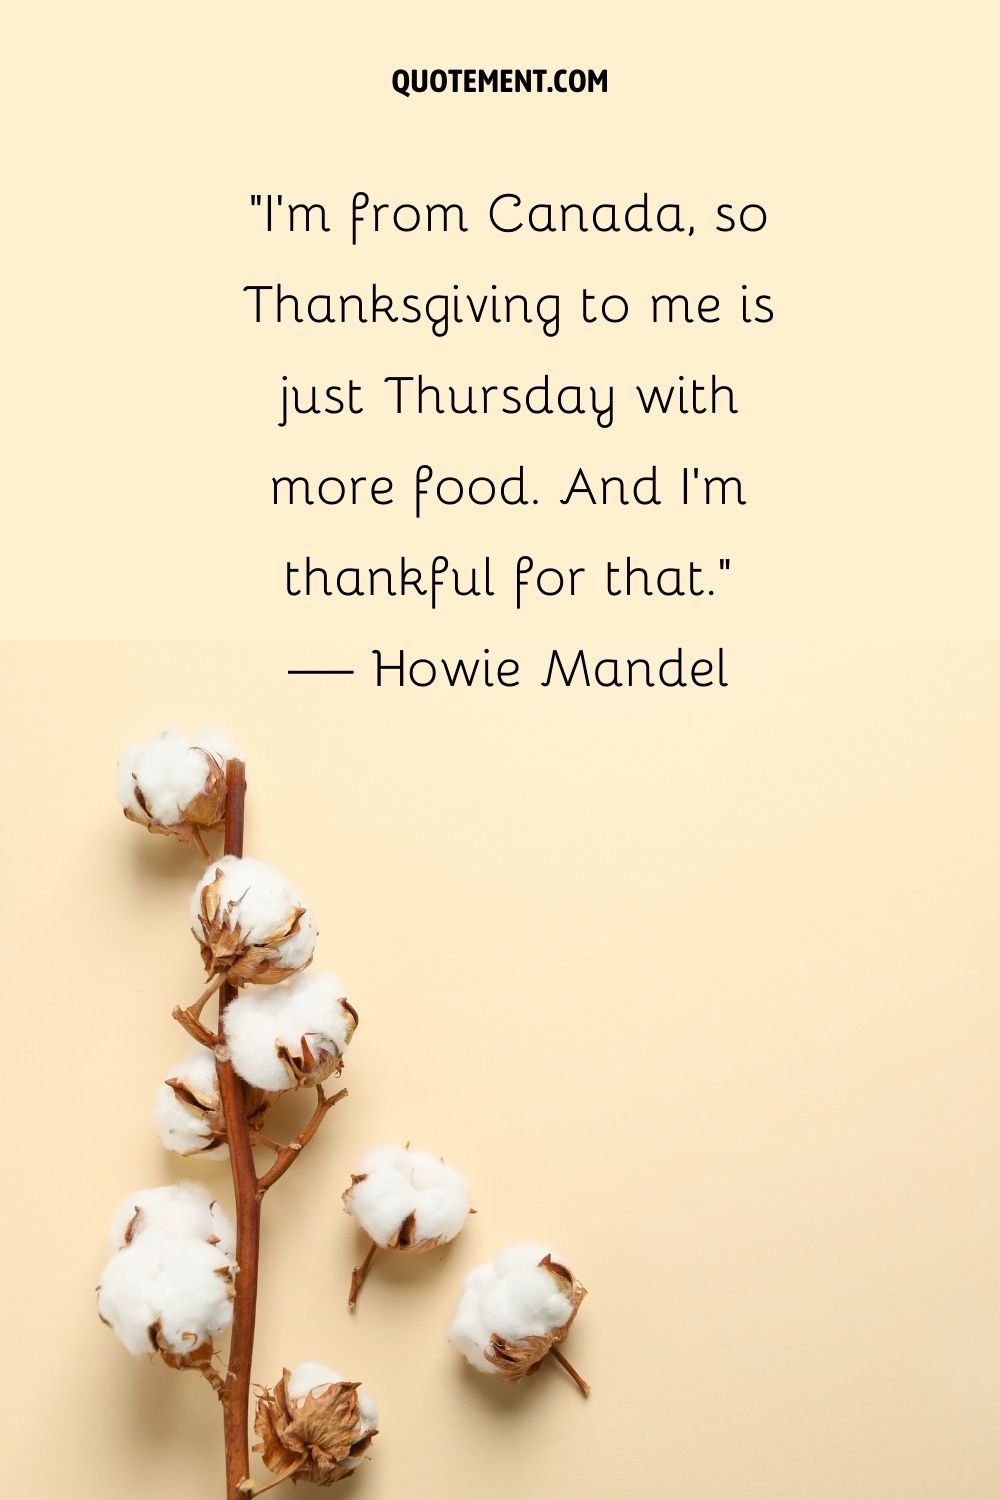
(510, 1297)
(396, 1183)
(309, 1006)
(182, 1285)
(180, 1126)
(264, 902)
(185, 1210)
(169, 771)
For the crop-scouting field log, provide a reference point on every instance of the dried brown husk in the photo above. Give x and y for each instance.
(404, 1238)
(517, 1358)
(199, 1358)
(205, 812)
(209, 1108)
(224, 949)
(318, 1438)
(310, 1066)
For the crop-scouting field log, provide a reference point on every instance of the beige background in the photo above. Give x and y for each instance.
(713, 1007)
(700, 987)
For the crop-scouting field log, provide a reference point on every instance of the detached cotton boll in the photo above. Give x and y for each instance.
(407, 1200)
(314, 1425)
(185, 1210)
(252, 926)
(292, 1037)
(167, 1295)
(187, 1110)
(514, 1309)
(173, 784)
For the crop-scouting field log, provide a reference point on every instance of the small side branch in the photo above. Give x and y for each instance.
(558, 1355)
(249, 1489)
(287, 1154)
(359, 1274)
(199, 1005)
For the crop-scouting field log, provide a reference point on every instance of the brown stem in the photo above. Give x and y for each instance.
(236, 1391)
(557, 1354)
(358, 1275)
(287, 1154)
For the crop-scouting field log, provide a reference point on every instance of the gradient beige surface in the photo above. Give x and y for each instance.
(710, 1004)
(143, 400)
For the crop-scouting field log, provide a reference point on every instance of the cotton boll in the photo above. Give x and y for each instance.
(182, 1210)
(165, 1294)
(175, 784)
(292, 1037)
(513, 1309)
(407, 1200)
(169, 773)
(252, 925)
(180, 1129)
(187, 1110)
(188, 1113)
(314, 1425)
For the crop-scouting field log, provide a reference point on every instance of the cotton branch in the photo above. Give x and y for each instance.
(279, 1029)
(236, 1391)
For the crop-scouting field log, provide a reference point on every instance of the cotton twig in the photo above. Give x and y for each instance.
(360, 1274)
(250, 1489)
(287, 1154)
(558, 1355)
